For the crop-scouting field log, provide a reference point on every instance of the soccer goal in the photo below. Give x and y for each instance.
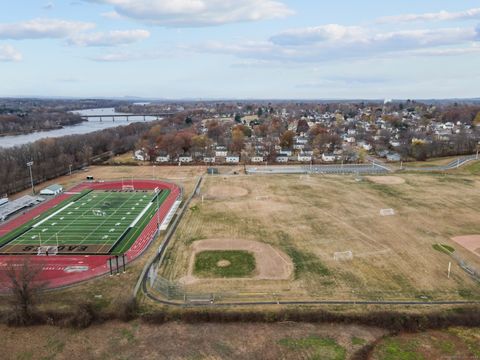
(387, 212)
(343, 256)
(128, 188)
(47, 250)
(98, 212)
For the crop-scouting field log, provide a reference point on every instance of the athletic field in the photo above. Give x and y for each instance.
(93, 222)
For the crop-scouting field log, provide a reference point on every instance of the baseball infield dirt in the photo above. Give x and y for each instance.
(271, 263)
(469, 242)
(386, 180)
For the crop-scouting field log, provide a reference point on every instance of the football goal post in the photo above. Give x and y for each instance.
(46, 250)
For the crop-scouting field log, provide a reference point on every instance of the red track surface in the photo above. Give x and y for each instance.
(63, 270)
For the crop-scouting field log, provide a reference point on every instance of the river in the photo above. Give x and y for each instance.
(93, 124)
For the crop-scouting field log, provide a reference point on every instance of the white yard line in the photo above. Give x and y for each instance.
(140, 215)
(110, 216)
(52, 215)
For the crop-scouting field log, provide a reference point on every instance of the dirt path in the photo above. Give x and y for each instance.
(386, 180)
(271, 263)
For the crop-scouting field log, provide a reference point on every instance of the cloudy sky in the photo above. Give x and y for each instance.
(240, 48)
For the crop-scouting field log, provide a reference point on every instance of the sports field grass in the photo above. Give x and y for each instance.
(228, 264)
(98, 222)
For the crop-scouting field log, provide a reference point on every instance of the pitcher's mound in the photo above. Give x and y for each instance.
(223, 263)
(226, 191)
(386, 180)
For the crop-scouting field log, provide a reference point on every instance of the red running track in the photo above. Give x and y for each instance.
(62, 270)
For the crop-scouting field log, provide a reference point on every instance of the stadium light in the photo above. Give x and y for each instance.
(30, 164)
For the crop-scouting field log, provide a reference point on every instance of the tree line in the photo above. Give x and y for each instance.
(52, 157)
(22, 123)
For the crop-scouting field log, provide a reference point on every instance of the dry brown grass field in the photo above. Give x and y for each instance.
(310, 218)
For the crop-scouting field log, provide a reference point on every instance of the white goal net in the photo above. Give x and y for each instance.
(47, 250)
(128, 187)
(343, 256)
(387, 212)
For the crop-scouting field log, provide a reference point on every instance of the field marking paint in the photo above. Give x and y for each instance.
(52, 215)
(141, 215)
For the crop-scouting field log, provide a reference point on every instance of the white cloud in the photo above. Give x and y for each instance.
(471, 14)
(317, 34)
(335, 42)
(111, 38)
(356, 37)
(474, 49)
(344, 80)
(42, 29)
(116, 57)
(9, 53)
(113, 15)
(195, 13)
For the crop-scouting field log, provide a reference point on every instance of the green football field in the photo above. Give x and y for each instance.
(98, 222)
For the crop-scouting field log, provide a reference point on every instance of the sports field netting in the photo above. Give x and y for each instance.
(99, 222)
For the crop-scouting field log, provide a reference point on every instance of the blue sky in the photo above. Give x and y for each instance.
(268, 49)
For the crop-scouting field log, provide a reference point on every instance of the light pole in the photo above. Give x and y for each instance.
(30, 164)
(158, 213)
(70, 169)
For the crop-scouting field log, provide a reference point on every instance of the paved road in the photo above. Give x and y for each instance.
(374, 168)
(305, 302)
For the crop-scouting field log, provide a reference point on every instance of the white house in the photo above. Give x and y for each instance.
(285, 152)
(185, 159)
(208, 160)
(301, 140)
(393, 157)
(304, 158)
(52, 190)
(281, 159)
(162, 159)
(367, 147)
(256, 159)
(232, 159)
(328, 157)
(221, 153)
(140, 155)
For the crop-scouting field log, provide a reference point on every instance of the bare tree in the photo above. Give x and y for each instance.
(23, 287)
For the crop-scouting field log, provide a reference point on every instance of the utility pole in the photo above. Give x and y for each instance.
(70, 169)
(158, 212)
(30, 164)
